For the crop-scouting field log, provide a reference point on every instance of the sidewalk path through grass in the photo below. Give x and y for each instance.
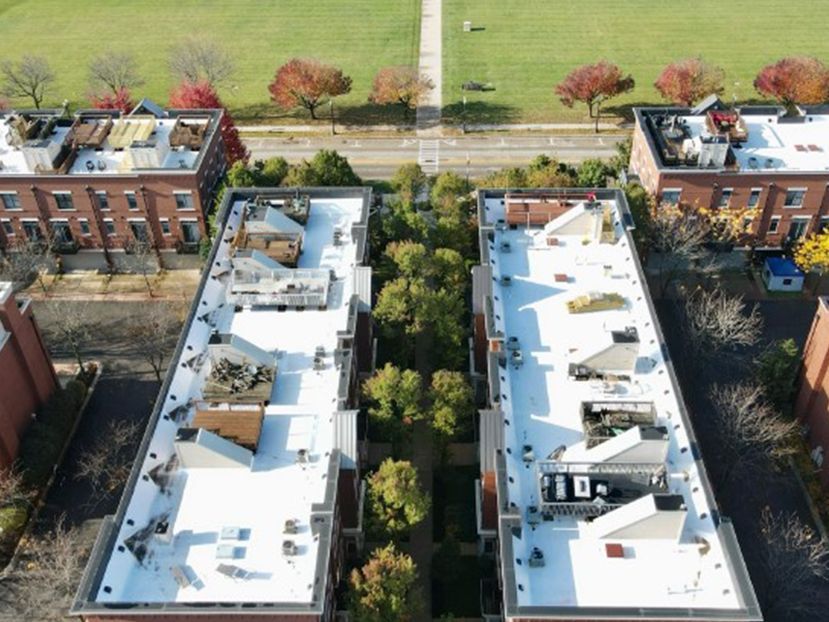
(431, 65)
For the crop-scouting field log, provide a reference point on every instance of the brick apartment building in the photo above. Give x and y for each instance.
(771, 166)
(27, 378)
(593, 497)
(95, 181)
(811, 405)
(246, 494)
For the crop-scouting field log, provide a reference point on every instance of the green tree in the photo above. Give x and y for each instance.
(382, 590)
(301, 175)
(515, 177)
(621, 160)
(270, 172)
(396, 500)
(455, 229)
(326, 168)
(593, 173)
(777, 371)
(447, 189)
(812, 255)
(240, 176)
(449, 269)
(409, 259)
(399, 221)
(409, 181)
(451, 402)
(641, 205)
(394, 398)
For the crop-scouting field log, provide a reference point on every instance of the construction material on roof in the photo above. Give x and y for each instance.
(595, 301)
(189, 132)
(240, 423)
(198, 448)
(90, 132)
(129, 129)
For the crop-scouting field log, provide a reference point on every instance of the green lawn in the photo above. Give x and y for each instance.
(527, 46)
(358, 35)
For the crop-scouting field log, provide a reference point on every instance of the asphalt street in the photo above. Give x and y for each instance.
(475, 156)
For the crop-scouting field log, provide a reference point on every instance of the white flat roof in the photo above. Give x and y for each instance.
(257, 501)
(543, 408)
(777, 145)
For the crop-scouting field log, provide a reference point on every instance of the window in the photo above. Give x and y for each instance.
(670, 196)
(109, 226)
(794, 197)
(61, 231)
(754, 197)
(103, 199)
(10, 200)
(725, 197)
(165, 226)
(8, 229)
(798, 227)
(132, 201)
(774, 225)
(84, 225)
(139, 230)
(184, 200)
(824, 224)
(63, 200)
(747, 224)
(190, 231)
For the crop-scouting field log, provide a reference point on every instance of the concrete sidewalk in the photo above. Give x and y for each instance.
(169, 285)
(431, 66)
(398, 130)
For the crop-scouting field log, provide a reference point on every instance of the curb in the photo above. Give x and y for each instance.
(39, 502)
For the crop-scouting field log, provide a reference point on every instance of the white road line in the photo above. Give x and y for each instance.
(429, 156)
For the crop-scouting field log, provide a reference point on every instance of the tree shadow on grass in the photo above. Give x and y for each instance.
(479, 112)
(625, 111)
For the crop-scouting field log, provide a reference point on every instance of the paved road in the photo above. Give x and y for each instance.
(378, 158)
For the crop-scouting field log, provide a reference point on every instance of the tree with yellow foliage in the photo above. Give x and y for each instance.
(812, 255)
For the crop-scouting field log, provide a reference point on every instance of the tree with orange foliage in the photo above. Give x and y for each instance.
(203, 95)
(400, 85)
(307, 83)
(593, 85)
(120, 100)
(794, 80)
(687, 81)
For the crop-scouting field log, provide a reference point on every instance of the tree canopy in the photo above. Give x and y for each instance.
(326, 168)
(394, 398)
(687, 81)
(396, 499)
(592, 85)
(381, 591)
(409, 181)
(794, 80)
(451, 402)
(119, 100)
(400, 85)
(307, 83)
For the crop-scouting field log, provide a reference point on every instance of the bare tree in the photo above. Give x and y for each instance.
(749, 430)
(144, 259)
(12, 489)
(678, 235)
(153, 334)
(30, 77)
(796, 565)
(44, 581)
(197, 59)
(719, 324)
(106, 464)
(69, 327)
(114, 71)
(24, 261)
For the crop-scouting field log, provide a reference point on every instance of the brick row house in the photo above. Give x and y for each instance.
(95, 181)
(770, 165)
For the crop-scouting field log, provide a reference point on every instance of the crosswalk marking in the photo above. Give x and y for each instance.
(429, 156)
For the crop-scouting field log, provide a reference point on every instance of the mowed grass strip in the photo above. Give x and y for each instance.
(527, 46)
(360, 36)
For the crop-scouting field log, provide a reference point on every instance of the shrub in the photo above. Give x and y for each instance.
(12, 521)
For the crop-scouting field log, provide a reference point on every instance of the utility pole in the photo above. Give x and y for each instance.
(331, 108)
(463, 115)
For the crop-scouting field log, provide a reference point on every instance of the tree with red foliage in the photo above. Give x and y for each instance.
(794, 80)
(687, 81)
(203, 95)
(593, 84)
(120, 100)
(307, 82)
(400, 85)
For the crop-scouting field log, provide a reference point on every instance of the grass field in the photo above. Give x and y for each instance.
(358, 35)
(525, 47)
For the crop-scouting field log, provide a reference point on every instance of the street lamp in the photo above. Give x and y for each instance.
(331, 109)
(463, 116)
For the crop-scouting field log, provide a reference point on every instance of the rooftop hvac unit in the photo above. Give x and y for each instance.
(290, 527)
(289, 548)
(302, 456)
(536, 558)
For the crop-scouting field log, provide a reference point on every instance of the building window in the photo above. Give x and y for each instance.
(725, 197)
(794, 197)
(823, 226)
(747, 225)
(139, 231)
(132, 201)
(103, 199)
(165, 226)
(754, 197)
(32, 229)
(797, 228)
(184, 200)
(10, 200)
(83, 223)
(190, 231)
(7, 227)
(109, 226)
(62, 232)
(670, 196)
(63, 200)
(774, 225)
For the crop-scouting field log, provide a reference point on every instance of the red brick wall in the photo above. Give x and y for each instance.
(812, 401)
(27, 377)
